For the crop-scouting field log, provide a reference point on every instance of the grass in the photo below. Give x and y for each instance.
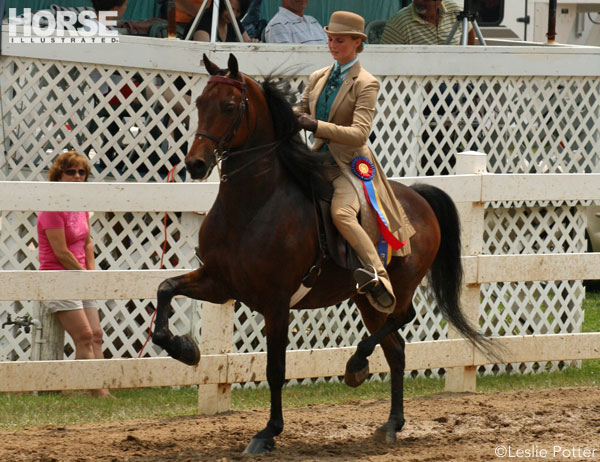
(19, 410)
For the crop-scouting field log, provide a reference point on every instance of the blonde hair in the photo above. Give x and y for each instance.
(65, 161)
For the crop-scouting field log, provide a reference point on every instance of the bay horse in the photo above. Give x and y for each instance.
(261, 237)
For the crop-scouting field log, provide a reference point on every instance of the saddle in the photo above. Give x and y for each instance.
(332, 245)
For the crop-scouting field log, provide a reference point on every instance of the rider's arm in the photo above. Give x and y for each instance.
(356, 134)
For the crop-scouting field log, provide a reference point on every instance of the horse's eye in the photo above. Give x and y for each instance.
(228, 107)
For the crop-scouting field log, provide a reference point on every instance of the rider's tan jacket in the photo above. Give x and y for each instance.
(347, 132)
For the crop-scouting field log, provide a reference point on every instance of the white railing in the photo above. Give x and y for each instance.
(220, 367)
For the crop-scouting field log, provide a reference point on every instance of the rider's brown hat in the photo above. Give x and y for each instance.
(346, 23)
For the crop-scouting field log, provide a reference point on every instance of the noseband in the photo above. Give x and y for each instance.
(223, 144)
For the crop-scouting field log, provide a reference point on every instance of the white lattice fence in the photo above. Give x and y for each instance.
(526, 122)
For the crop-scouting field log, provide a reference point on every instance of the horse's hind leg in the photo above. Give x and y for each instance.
(276, 327)
(385, 332)
(393, 349)
(191, 285)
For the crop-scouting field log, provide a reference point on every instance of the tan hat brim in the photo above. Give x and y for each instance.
(357, 34)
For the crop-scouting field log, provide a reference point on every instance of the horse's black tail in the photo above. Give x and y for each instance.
(446, 273)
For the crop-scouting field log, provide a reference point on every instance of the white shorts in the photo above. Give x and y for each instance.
(67, 305)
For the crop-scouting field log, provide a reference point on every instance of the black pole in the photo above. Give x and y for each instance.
(551, 22)
(525, 23)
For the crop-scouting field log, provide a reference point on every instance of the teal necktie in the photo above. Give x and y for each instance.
(333, 83)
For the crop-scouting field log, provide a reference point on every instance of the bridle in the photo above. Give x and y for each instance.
(223, 144)
(222, 150)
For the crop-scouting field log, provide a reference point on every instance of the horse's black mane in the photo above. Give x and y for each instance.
(307, 168)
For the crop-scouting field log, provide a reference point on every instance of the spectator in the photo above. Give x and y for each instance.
(64, 243)
(291, 25)
(252, 21)
(187, 10)
(425, 22)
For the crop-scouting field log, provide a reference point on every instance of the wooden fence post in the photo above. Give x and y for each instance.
(48, 345)
(216, 338)
(464, 379)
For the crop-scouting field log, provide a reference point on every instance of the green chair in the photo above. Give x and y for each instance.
(374, 30)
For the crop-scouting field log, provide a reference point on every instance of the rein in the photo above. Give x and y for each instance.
(222, 150)
(272, 146)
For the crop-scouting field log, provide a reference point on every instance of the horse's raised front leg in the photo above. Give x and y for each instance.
(276, 330)
(193, 285)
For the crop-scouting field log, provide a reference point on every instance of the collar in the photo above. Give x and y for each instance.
(346, 67)
(416, 17)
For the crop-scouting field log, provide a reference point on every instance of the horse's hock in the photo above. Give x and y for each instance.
(521, 116)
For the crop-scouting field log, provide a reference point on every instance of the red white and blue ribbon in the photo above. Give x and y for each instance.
(364, 169)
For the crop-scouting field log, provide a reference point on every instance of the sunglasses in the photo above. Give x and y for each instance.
(73, 171)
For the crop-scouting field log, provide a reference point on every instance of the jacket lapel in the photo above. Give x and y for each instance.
(348, 82)
(318, 88)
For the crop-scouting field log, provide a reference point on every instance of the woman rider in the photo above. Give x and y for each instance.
(338, 105)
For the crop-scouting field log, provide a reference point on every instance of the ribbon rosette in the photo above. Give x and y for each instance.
(364, 169)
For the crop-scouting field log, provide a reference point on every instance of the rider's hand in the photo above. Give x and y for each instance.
(307, 122)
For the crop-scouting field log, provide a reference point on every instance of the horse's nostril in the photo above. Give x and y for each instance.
(196, 167)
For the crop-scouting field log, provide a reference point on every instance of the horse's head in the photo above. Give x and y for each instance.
(222, 109)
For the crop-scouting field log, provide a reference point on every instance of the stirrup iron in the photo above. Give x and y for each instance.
(366, 279)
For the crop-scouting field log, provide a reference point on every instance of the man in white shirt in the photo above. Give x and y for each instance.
(291, 25)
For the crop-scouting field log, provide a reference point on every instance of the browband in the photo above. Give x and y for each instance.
(227, 80)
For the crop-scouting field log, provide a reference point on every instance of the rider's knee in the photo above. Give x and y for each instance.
(343, 215)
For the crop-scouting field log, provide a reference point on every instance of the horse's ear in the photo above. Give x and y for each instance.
(211, 67)
(232, 64)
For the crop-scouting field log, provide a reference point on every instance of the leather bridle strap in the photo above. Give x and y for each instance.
(228, 81)
(224, 142)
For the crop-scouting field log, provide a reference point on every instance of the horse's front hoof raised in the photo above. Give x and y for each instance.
(260, 446)
(185, 350)
(357, 371)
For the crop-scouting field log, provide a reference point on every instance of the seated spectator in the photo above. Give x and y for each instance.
(425, 22)
(187, 9)
(291, 25)
(64, 243)
(252, 21)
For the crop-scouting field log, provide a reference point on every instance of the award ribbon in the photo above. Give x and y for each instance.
(364, 169)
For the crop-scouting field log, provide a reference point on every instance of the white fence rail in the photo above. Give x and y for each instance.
(532, 109)
(470, 191)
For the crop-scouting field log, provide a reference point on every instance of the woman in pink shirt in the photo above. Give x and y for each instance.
(64, 243)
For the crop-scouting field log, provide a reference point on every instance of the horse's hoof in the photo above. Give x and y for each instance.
(387, 432)
(260, 446)
(357, 371)
(190, 353)
(184, 349)
(384, 434)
